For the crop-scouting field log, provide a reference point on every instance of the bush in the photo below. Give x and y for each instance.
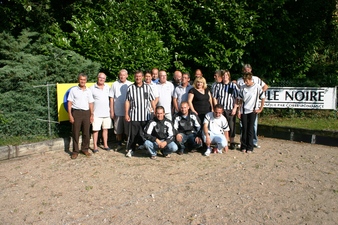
(28, 61)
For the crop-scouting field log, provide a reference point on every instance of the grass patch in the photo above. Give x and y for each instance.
(305, 123)
(305, 119)
(20, 140)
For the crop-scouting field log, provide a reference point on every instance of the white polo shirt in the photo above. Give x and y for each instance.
(118, 91)
(101, 100)
(154, 89)
(165, 93)
(80, 98)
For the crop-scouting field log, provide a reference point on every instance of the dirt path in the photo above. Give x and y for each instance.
(284, 182)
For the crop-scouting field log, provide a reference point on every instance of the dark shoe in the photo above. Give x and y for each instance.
(107, 149)
(232, 146)
(86, 153)
(193, 150)
(118, 148)
(180, 152)
(95, 151)
(74, 155)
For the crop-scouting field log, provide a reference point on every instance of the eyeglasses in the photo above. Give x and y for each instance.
(102, 78)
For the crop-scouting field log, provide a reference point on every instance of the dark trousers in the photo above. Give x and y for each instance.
(248, 121)
(201, 116)
(135, 134)
(81, 123)
(231, 121)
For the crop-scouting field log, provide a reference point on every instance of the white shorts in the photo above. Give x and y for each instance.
(104, 122)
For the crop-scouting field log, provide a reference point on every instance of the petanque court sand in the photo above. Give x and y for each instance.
(283, 182)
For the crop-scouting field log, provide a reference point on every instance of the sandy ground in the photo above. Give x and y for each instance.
(284, 182)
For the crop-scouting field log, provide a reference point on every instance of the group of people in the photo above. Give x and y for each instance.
(167, 116)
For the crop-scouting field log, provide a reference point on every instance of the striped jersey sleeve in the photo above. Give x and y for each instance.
(140, 98)
(226, 95)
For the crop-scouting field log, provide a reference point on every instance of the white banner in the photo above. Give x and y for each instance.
(301, 97)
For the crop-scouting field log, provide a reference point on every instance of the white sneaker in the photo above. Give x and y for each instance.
(219, 151)
(257, 146)
(129, 153)
(207, 152)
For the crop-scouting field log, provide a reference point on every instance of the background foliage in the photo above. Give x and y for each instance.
(282, 39)
(288, 43)
(27, 61)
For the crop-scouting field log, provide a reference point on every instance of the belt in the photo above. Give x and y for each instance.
(80, 109)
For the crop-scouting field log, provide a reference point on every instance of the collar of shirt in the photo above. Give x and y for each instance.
(78, 87)
(138, 85)
(97, 86)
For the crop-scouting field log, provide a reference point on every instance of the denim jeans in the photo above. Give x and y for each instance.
(152, 147)
(255, 138)
(218, 139)
(188, 139)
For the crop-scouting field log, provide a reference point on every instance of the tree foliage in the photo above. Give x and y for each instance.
(280, 38)
(287, 36)
(206, 34)
(118, 34)
(27, 61)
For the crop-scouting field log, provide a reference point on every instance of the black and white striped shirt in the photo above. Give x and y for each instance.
(226, 94)
(140, 98)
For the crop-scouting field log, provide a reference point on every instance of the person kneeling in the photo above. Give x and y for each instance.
(188, 126)
(159, 135)
(215, 130)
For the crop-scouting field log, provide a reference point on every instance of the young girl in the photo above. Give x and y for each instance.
(225, 93)
(248, 101)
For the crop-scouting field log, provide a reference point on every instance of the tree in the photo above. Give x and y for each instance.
(38, 16)
(287, 36)
(206, 34)
(117, 34)
(280, 38)
(27, 61)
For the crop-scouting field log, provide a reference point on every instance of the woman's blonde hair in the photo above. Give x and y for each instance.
(200, 79)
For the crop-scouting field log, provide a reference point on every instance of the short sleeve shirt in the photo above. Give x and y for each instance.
(250, 95)
(216, 125)
(80, 98)
(255, 79)
(118, 92)
(165, 93)
(101, 100)
(181, 94)
(140, 98)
